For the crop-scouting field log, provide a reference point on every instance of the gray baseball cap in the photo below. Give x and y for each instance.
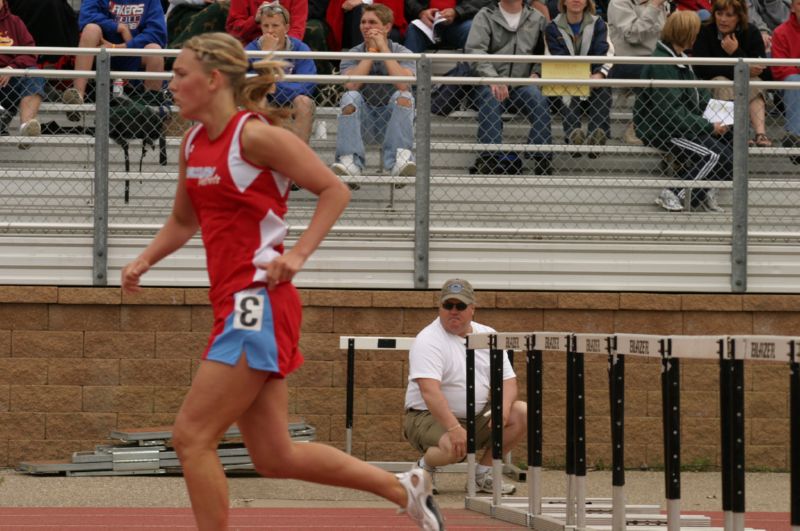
(458, 289)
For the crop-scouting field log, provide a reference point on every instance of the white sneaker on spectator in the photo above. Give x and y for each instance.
(71, 96)
(669, 201)
(403, 165)
(346, 167)
(710, 204)
(432, 470)
(485, 483)
(421, 507)
(29, 128)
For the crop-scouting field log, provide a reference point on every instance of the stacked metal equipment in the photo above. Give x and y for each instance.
(148, 451)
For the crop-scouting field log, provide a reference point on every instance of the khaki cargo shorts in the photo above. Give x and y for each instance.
(423, 431)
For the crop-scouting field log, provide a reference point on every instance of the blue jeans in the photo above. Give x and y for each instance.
(791, 104)
(391, 125)
(526, 100)
(597, 109)
(453, 36)
(18, 88)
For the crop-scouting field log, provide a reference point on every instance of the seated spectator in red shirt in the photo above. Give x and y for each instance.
(187, 18)
(242, 18)
(701, 7)
(133, 24)
(20, 92)
(344, 20)
(51, 23)
(786, 45)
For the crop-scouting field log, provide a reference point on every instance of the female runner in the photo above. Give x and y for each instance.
(235, 172)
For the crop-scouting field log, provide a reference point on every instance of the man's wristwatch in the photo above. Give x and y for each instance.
(366, 2)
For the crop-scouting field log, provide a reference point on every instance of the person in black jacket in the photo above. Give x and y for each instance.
(730, 34)
(456, 20)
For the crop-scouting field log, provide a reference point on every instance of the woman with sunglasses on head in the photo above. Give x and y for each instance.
(234, 175)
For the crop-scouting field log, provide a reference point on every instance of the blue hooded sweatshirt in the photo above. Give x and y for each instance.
(145, 18)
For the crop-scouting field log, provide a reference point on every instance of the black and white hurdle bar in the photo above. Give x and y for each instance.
(730, 351)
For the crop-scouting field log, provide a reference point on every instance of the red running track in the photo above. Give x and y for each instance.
(130, 519)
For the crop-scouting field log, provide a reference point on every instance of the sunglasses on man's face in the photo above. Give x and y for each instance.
(460, 306)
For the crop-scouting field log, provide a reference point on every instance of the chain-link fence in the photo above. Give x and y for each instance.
(563, 157)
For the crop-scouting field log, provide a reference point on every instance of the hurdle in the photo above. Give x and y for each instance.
(729, 351)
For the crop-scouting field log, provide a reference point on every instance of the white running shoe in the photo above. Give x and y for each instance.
(710, 203)
(421, 508)
(403, 165)
(432, 470)
(346, 167)
(669, 201)
(485, 483)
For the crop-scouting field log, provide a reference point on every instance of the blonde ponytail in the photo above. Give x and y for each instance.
(220, 51)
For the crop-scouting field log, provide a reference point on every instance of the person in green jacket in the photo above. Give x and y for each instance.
(671, 119)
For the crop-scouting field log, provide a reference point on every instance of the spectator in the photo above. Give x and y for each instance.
(344, 20)
(634, 27)
(767, 15)
(672, 119)
(436, 406)
(318, 32)
(509, 27)
(51, 23)
(456, 16)
(380, 112)
(134, 24)
(578, 31)
(20, 92)
(701, 7)
(243, 23)
(786, 45)
(730, 34)
(295, 95)
(187, 18)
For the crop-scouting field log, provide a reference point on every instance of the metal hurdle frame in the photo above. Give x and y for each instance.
(729, 351)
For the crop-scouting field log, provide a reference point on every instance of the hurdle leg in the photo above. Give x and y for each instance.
(534, 387)
(496, 379)
(738, 452)
(471, 422)
(794, 415)
(351, 378)
(570, 439)
(580, 439)
(670, 402)
(725, 413)
(616, 384)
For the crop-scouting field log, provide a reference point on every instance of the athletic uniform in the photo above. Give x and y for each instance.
(241, 209)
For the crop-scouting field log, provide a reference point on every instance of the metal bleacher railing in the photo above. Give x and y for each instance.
(72, 180)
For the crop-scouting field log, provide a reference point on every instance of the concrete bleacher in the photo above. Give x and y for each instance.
(53, 181)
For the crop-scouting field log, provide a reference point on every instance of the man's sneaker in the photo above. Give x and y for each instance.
(71, 96)
(346, 167)
(710, 203)
(29, 128)
(432, 470)
(669, 201)
(630, 138)
(404, 166)
(597, 138)
(421, 508)
(485, 483)
(577, 138)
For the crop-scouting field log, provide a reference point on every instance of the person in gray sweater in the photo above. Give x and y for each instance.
(509, 28)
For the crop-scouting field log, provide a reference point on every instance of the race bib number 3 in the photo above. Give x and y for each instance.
(248, 311)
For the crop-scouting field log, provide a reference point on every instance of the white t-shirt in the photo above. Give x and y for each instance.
(511, 18)
(440, 355)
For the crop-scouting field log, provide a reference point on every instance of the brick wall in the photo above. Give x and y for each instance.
(76, 363)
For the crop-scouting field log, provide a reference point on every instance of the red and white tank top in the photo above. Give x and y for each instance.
(240, 207)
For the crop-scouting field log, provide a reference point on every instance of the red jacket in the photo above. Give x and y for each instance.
(693, 5)
(786, 45)
(335, 19)
(14, 33)
(241, 21)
